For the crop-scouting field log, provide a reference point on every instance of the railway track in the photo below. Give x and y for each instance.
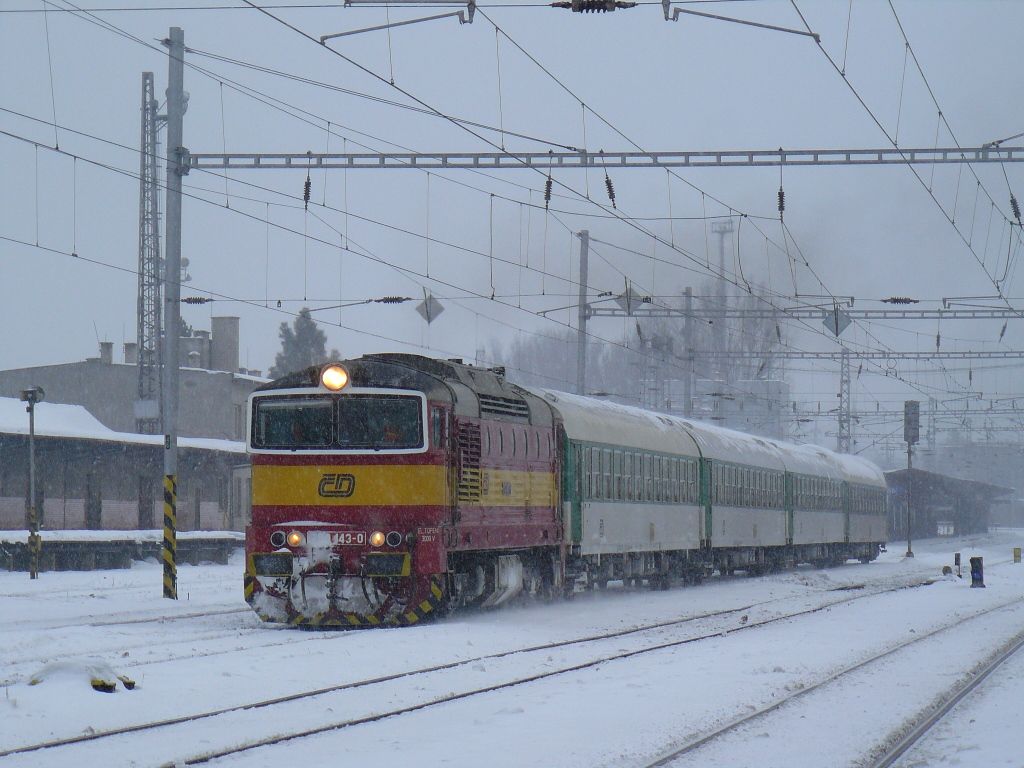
(923, 725)
(13, 662)
(702, 740)
(725, 622)
(50, 626)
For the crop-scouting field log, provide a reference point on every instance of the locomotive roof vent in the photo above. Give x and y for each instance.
(504, 406)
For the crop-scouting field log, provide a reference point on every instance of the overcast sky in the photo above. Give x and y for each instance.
(696, 84)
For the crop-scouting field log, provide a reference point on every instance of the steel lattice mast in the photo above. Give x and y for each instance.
(149, 318)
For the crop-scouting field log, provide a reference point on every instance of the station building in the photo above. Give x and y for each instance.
(94, 471)
(92, 477)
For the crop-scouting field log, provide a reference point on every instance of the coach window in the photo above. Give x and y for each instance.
(607, 469)
(594, 470)
(656, 478)
(662, 478)
(616, 490)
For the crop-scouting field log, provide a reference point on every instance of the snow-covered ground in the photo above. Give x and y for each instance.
(207, 652)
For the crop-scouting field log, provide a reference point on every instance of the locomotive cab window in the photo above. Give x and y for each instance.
(380, 422)
(368, 422)
(291, 423)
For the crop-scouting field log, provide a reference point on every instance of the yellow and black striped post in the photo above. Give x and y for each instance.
(170, 548)
(35, 543)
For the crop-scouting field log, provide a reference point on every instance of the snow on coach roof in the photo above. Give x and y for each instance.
(601, 421)
(856, 469)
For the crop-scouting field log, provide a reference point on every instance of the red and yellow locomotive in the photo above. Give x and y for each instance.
(394, 486)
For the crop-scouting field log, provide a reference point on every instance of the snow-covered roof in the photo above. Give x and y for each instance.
(857, 469)
(724, 444)
(74, 421)
(809, 459)
(602, 421)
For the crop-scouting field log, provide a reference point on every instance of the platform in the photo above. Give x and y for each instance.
(92, 550)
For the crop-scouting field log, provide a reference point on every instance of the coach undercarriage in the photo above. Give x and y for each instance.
(659, 569)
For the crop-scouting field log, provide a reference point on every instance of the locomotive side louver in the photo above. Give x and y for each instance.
(503, 406)
(469, 462)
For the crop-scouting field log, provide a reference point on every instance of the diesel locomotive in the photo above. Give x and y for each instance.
(392, 487)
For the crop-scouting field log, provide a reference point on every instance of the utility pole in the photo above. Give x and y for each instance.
(688, 335)
(177, 166)
(933, 407)
(581, 323)
(845, 416)
(721, 228)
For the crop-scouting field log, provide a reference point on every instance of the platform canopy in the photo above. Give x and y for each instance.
(940, 504)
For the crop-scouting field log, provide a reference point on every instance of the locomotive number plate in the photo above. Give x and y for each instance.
(336, 538)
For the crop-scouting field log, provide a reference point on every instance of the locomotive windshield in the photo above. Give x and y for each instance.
(346, 422)
(379, 421)
(293, 423)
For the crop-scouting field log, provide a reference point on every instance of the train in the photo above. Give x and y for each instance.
(394, 487)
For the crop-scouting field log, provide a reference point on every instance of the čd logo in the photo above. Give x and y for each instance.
(337, 486)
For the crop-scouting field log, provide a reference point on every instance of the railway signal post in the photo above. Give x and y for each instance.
(911, 434)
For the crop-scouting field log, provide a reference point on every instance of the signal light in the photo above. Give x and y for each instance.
(277, 539)
(296, 539)
(377, 539)
(394, 538)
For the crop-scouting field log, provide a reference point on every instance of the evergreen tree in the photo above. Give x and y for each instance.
(302, 345)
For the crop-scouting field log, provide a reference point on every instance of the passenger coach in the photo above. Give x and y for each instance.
(394, 486)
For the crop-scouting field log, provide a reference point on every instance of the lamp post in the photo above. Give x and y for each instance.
(32, 395)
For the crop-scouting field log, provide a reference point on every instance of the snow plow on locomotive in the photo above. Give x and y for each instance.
(395, 487)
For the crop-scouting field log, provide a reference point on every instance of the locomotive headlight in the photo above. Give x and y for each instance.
(377, 539)
(334, 377)
(296, 539)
